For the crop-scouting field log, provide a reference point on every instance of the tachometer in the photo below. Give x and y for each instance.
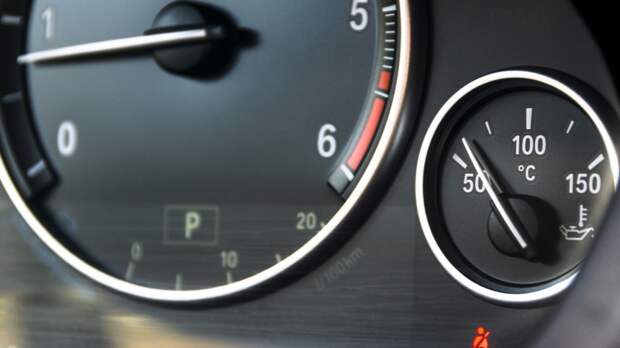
(191, 150)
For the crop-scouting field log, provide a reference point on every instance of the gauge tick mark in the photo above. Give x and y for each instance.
(12, 98)
(459, 161)
(11, 20)
(36, 169)
(488, 126)
(382, 94)
(598, 160)
(131, 268)
(529, 112)
(570, 127)
(229, 277)
(178, 285)
(347, 172)
(388, 9)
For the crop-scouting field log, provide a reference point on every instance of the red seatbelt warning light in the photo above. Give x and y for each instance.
(481, 340)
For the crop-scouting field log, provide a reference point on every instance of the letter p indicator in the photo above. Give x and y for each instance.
(193, 220)
(186, 225)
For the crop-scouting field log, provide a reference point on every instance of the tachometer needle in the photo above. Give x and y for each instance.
(502, 207)
(125, 45)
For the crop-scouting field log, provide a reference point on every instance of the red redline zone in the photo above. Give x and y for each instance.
(385, 80)
(356, 158)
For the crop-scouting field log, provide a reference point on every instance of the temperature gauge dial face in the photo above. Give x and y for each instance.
(514, 182)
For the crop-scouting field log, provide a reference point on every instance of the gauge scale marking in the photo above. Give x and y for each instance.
(524, 171)
(167, 215)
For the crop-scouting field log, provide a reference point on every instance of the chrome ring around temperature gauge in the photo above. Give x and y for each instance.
(208, 154)
(514, 178)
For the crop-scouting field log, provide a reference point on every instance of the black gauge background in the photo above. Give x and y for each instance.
(396, 294)
(486, 264)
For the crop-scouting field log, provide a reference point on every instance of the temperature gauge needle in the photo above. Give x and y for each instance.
(117, 46)
(501, 205)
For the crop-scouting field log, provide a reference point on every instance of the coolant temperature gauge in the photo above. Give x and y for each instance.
(513, 183)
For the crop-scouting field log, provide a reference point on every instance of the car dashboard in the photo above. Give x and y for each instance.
(352, 173)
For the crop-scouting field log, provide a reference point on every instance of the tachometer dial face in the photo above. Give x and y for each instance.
(515, 180)
(192, 150)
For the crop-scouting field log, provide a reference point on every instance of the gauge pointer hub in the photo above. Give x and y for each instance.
(500, 204)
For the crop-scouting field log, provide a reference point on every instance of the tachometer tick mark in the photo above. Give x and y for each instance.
(36, 169)
(11, 20)
(382, 94)
(12, 98)
(391, 8)
(347, 172)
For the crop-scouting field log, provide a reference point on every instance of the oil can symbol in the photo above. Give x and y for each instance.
(579, 232)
